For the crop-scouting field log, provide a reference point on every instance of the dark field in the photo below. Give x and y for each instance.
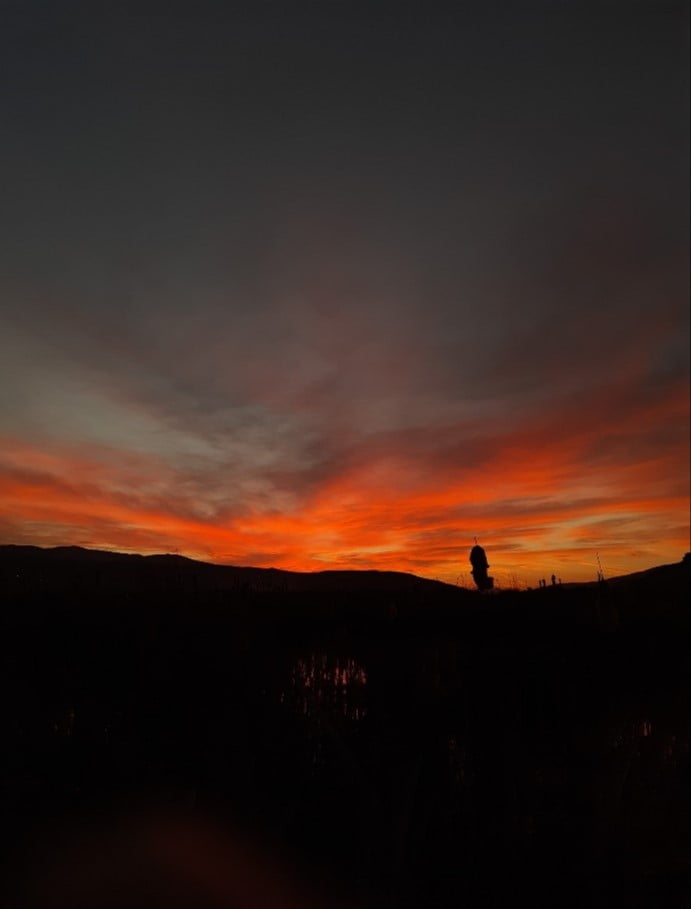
(183, 743)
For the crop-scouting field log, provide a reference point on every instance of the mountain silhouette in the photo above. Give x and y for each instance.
(61, 566)
(64, 563)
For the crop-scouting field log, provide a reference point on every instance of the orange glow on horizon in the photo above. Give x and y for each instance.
(531, 502)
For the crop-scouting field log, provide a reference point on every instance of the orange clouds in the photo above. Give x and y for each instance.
(543, 497)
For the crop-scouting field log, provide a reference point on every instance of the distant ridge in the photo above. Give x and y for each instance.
(127, 569)
(59, 565)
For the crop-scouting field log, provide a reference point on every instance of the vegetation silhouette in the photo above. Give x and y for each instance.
(451, 750)
(478, 559)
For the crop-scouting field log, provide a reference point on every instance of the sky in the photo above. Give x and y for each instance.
(347, 285)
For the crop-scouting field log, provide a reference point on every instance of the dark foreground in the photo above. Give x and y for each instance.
(410, 748)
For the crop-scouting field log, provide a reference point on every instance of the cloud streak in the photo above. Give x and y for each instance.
(324, 290)
(554, 490)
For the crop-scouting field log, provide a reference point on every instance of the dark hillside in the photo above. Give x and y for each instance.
(30, 567)
(401, 742)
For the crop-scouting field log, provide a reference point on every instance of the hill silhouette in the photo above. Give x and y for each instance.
(34, 565)
(457, 747)
(61, 564)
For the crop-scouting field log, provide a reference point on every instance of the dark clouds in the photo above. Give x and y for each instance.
(273, 249)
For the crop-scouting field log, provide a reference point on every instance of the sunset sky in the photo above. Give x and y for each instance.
(345, 285)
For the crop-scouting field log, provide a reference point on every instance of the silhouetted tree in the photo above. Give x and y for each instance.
(478, 559)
